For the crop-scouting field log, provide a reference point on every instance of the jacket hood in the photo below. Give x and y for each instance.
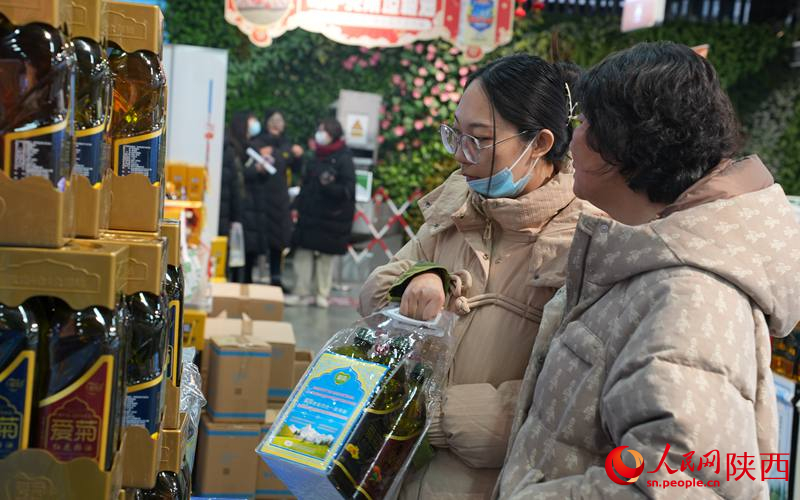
(735, 223)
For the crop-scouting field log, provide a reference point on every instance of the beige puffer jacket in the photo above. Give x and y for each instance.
(499, 289)
(665, 340)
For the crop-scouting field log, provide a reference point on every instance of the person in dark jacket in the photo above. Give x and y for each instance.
(326, 205)
(232, 182)
(255, 206)
(287, 158)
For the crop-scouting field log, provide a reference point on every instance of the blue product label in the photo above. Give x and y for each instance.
(320, 417)
(16, 397)
(138, 155)
(36, 153)
(481, 14)
(90, 147)
(143, 405)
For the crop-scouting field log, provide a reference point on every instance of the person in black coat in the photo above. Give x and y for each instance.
(254, 206)
(232, 183)
(326, 206)
(287, 158)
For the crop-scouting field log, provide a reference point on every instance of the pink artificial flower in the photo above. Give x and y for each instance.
(463, 71)
(405, 63)
(381, 139)
(363, 64)
(419, 124)
(439, 64)
(455, 96)
(399, 131)
(385, 124)
(444, 97)
(449, 87)
(423, 71)
(396, 108)
(382, 109)
(429, 121)
(434, 111)
(463, 81)
(419, 82)
(440, 76)
(432, 48)
(364, 50)
(436, 90)
(416, 143)
(419, 48)
(397, 79)
(348, 65)
(430, 57)
(416, 94)
(454, 51)
(428, 101)
(400, 146)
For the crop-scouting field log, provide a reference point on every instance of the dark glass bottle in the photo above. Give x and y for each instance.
(169, 486)
(145, 367)
(361, 346)
(357, 458)
(82, 375)
(38, 62)
(139, 111)
(20, 328)
(92, 108)
(173, 287)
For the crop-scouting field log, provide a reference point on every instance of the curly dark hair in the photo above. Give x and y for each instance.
(657, 112)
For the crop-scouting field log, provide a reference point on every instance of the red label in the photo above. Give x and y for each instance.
(74, 422)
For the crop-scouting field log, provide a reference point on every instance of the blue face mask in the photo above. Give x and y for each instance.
(502, 183)
(253, 128)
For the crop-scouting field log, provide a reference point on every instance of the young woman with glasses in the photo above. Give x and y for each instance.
(493, 249)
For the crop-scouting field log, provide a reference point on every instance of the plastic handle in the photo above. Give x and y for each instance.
(394, 313)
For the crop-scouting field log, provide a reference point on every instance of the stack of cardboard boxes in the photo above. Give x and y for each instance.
(249, 368)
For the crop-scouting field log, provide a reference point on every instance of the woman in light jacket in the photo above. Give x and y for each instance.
(493, 249)
(659, 367)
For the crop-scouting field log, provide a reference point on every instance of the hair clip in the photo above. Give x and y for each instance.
(572, 106)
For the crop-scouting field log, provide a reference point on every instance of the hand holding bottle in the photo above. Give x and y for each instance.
(423, 298)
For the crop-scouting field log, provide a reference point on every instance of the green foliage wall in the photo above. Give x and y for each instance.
(301, 74)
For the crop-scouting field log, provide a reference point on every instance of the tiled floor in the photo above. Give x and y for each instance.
(314, 326)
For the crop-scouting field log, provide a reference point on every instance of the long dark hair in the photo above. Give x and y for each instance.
(531, 93)
(236, 133)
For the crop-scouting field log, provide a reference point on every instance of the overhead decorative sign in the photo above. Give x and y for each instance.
(639, 14)
(475, 26)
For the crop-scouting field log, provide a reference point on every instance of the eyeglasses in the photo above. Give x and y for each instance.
(470, 146)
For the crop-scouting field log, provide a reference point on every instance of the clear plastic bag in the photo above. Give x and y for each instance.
(360, 412)
(192, 400)
(236, 243)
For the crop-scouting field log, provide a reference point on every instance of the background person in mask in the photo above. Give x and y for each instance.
(254, 206)
(232, 183)
(287, 158)
(326, 205)
(493, 249)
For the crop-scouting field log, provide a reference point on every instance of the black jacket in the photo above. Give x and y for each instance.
(326, 211)
(279, 222)
(231, 189)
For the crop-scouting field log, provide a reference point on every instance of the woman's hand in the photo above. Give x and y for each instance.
(423, 298)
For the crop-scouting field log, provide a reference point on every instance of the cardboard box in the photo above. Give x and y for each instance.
(302, 360)
(226, 465)
(268, 486)
(214, 328)
(259, 302)
(239, 377)
(281, 337)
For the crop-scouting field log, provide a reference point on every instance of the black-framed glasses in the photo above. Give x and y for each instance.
(470, 146)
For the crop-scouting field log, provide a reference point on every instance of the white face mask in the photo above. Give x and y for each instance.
(322, 138)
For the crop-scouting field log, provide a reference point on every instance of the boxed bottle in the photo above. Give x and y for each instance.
(139, 116)
(73, 379)
(359, 414)
(36, 124)
(91, 181)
